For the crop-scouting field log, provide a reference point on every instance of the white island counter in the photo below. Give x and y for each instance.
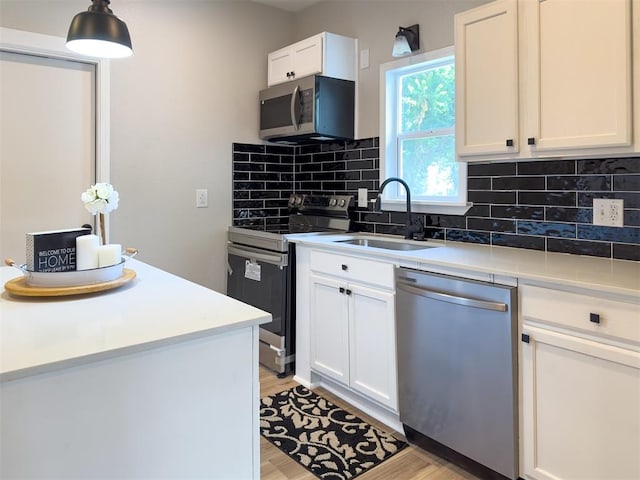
(158, 378)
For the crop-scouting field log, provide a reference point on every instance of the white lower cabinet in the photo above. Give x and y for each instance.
(580, 387)
(352, 335)
(329, 328)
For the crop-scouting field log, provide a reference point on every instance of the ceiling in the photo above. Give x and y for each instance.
(289, 5)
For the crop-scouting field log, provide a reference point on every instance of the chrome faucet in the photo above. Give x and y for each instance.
(412, 227)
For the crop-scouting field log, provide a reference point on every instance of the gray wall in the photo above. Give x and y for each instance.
(177, 105)
(190, 91)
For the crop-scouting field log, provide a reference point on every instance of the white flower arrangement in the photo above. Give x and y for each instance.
(100, 198)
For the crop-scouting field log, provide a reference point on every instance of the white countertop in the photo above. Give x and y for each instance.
(620, 277)
(155, 309)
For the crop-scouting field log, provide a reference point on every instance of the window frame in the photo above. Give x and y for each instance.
(394, 197)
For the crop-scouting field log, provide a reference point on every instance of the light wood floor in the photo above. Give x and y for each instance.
(412, 463)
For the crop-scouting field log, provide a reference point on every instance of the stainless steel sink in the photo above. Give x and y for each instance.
(386, 244)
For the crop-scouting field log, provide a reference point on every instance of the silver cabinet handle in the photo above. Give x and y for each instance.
(445, 297)
(294, 104)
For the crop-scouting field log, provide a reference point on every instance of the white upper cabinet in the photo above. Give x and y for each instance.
(545, 78)
(487, 79)
(325, 54)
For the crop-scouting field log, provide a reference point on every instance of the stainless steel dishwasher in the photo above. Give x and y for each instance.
(457, 369)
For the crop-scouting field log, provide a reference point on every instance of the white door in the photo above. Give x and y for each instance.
(307, 57)
(372, 344)
(279, 66)
(47, 146)
(580, 412)
(486, 46)
(329, 328)
(579, 85)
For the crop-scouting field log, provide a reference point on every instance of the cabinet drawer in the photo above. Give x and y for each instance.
(353, 268)
(617, 319)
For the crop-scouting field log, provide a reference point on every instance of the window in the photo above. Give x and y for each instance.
(418, 134)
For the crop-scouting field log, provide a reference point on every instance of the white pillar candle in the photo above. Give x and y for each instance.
(87, 252)
(109, 255)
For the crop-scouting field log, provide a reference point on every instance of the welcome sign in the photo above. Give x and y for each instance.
(53, 251)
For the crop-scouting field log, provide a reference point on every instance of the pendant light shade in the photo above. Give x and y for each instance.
(99, 33)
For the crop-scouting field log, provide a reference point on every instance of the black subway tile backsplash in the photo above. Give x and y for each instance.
(547, 229)
(479, 183)
(515, 211)
(538, 167)
(626, 252)
(518, 183)
(491, 169)
(547, 198)
(569, 214)
(579, 247)
(519, 241)
(586, 182)
(457, 235)
(538, 204)
(626, 183)
(615, 166)
(492, 197)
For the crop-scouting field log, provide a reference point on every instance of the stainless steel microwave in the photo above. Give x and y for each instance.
(309, 109)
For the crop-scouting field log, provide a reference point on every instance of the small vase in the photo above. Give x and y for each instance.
(103, 233)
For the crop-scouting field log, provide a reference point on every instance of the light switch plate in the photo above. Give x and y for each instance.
(202, 198)
(364, 58)
(362, 197)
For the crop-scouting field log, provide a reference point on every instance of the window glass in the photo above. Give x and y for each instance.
(418, 121)
(427, 99)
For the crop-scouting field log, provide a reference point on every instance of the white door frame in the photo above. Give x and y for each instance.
(18, 41)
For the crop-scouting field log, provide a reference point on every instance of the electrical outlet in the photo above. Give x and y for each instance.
(202, 198)
(608, 212)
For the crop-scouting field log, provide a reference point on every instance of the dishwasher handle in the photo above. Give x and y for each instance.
(445, 297)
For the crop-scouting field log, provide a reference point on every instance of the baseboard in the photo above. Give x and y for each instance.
(306, 383)
(382, 414)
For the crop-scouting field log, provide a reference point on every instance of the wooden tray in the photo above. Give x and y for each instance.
(19, 287)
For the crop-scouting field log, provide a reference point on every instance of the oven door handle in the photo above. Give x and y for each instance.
(274, 259)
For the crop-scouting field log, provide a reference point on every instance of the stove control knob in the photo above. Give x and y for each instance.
(332, 202)
(341, 202)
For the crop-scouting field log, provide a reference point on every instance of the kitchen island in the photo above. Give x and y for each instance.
(158, 378)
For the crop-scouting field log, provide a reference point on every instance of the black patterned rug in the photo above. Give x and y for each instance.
(327, 440)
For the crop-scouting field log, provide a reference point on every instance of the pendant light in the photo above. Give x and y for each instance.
(99, 33)
(407, 41)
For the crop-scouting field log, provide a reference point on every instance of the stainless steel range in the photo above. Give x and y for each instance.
(261, 270)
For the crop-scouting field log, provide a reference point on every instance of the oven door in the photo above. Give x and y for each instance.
(263, 279)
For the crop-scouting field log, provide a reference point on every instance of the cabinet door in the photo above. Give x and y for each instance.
(372, 344)
(580, 408)
(279, 63)
(329, 328)
(486, 47)
(579, 78)
(307, 57)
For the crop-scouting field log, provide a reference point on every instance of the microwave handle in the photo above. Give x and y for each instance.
(294, 109)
